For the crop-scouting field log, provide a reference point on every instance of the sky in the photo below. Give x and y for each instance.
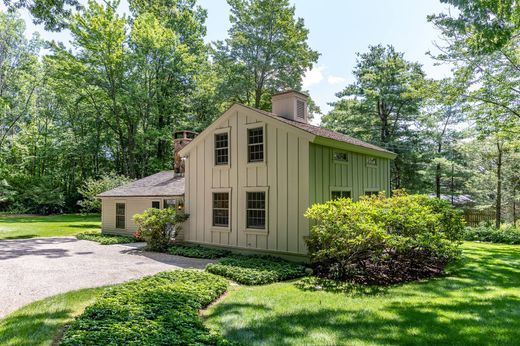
(338, 30)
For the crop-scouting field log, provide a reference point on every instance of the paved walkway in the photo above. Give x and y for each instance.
(32, 269)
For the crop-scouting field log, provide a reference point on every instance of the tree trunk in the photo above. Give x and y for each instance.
(498, 215)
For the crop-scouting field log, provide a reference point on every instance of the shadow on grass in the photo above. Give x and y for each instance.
(23, 236)
(87, 226)
(30, 329)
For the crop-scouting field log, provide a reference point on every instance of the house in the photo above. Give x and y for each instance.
(251, 175)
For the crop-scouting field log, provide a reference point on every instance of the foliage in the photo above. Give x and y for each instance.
(93, 187)
(159, 227)
(506, 234)
(157, 310)
(381, 107)
(256, 270)
(383, 239)
(197, 251)
(106, 239)
(484, 285)
(267, 51)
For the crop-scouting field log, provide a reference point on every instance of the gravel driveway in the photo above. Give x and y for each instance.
(32, 269)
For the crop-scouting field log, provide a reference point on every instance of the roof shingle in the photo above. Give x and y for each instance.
(161, 184)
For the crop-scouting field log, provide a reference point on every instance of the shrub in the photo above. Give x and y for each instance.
(380, 240)
(106, 239)
(93, 187)
(159, 227)
(256, 270)
(506, 234)
(157, 310)
(197, 251)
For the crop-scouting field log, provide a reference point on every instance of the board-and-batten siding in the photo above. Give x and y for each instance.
(285, 174)
(355, 175)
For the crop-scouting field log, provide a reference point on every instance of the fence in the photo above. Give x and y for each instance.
(474, 217)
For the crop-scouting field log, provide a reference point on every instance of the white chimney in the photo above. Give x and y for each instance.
(290, 105)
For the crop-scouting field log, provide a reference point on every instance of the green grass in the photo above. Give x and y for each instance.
(477, 303)
(42, 322)
(14, 227)
(106, 239)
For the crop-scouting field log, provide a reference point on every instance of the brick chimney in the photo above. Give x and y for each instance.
(180, 140)
(291, 105)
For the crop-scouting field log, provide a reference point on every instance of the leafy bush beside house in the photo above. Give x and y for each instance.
(158, 227)
(380, 240)
(158, 310)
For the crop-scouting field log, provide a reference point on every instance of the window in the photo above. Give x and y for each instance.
(169, 203)
(221, 209)
(156, 204)
(221, 148)
(120, 215)
(300, 109)
(340, 156)
(335, 194)
(371, 161)
(371, 193)
(255, 143)
(255, 210)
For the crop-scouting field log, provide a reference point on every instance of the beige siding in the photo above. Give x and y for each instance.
(133, 205)
(355, 176)
(284, 175)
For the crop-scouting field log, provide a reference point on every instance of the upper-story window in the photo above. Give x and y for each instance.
(221, 148)
(255, 144)
(340, 157)
(371, 161)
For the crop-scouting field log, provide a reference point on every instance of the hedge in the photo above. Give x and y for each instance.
(197, 251)
(106, 239)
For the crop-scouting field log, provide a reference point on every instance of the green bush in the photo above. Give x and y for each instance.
(383, 240)
(157, 310)
(158, 227)
(93, 187)
(256, 270)
(197, 251)
(106, 239)
(506, 234)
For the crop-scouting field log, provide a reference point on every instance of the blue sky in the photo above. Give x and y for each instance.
(339, 29)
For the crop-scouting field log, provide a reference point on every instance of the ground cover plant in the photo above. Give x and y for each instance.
(256, 270)
(197, 251)
(383, 240)
(158, 310)
(506, 234)
(30, 226)
(106, 239)
(475, 303)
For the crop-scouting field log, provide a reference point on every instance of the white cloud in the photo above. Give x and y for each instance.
(313, 77)
(333, 80)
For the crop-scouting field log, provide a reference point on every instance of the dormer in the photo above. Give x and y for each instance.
(291, 105)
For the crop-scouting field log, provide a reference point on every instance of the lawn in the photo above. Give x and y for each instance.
(477, 303)
(41, 322)
(12, 227)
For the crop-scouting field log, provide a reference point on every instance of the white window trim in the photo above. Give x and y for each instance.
(216, 132)
(254, 126)
(256, 230)
(339, 161)
(340, 188)
(230, 226)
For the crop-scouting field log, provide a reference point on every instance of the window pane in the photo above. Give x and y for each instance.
(120, 215)
(221, 209)
(221, 149)
(370, 193)
(339, 194)
(156, 204)
(340, 156)
(256, 210)
(255, 141)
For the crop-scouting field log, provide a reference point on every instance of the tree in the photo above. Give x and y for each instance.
(52, 14)
(93, 187)
(381, 107)
(267, 51)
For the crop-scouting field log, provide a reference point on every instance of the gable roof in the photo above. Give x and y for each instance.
(318, 135)
(162, 184)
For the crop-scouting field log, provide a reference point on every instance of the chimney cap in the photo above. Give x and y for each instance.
(290, 91)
